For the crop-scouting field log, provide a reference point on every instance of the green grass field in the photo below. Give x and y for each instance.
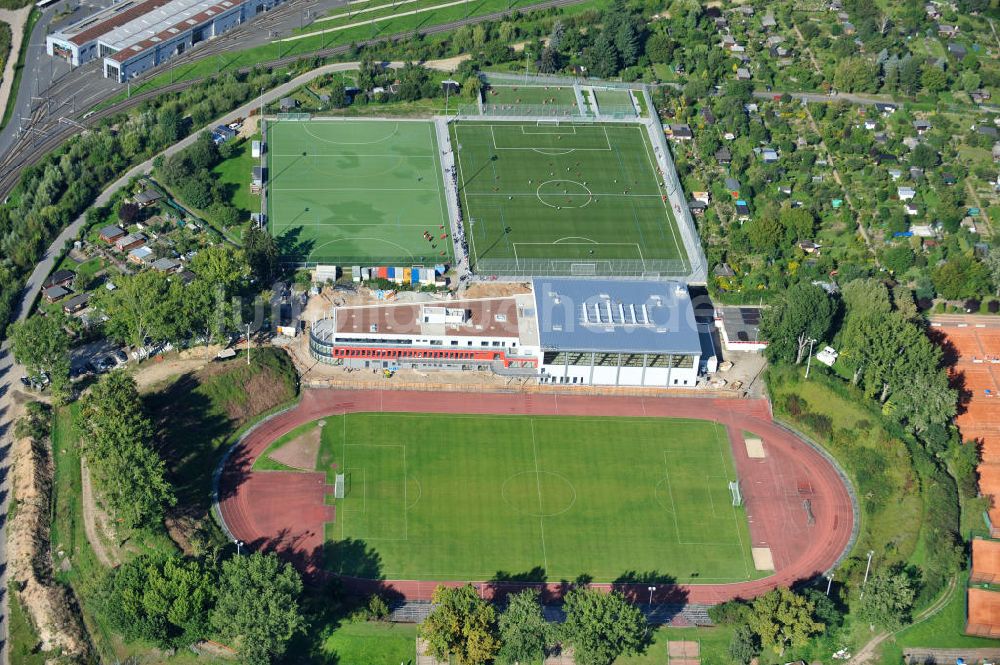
(532, 100)
(492, 497)
(546, 198)
(615, 102)
(356, 191)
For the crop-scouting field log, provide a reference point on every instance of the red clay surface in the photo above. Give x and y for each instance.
(285, 512)
(972, 349)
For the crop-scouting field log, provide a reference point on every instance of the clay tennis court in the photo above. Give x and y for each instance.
(798, 507)
(972, 348)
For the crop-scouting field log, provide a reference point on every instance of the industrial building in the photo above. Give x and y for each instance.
(133, 36)
(566, 332)
(619, 333)
(487, 334)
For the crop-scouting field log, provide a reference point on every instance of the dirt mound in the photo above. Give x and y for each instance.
(49, 605)
(301, 452)
(496, 289)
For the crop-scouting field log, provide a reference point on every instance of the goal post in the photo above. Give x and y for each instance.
(338, 486)
(734, 489)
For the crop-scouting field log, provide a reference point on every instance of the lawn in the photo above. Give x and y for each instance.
(564, 198)
(616, 102)
(551, 100)
(234, 175)
(714, 644)
(372, 644)
(357, 191)
(479, 498)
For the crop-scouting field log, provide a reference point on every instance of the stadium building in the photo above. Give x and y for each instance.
(619, 333)
(567, 332)
(491, 334)
(135, 35)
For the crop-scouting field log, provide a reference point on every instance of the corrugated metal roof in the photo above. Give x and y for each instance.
(615, 315)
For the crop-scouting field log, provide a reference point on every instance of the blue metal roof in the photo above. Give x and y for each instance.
(579, 314)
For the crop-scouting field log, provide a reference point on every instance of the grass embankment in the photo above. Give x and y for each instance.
(23, 638)
(21, 55)
(905, 497)
(207, 410)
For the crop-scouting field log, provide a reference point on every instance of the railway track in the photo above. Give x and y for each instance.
(48, 131)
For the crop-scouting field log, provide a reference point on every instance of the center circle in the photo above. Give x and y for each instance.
(564, 194)
(538, 493)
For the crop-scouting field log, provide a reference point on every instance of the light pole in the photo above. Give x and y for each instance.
(239, 545)
(809, 359)
(248, 344)
(867, 568)
(651, 589)
(829, 583)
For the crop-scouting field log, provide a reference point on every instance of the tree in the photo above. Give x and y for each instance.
(222, 265)
(744, 646)
(261, 252)
(127, 213)
(960, 277)
(602, 58)
(924, 400)
(888, 599)
(804, 313)
(116, 436)
(799, 223)
(162, 599)
(782, 618)
(138, 308)
(258, 607)
(462, 625)
(898, 258)
(660, 48)
(924, 156)
(766, 234)
(524, 633)
(602, 626)
(934, 79)
(992, 263)
(41, 344)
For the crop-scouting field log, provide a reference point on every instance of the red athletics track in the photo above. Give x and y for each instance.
(255, 508)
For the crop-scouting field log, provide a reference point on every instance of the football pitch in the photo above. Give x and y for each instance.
(468, 497)
(356, 191)
(561, 197)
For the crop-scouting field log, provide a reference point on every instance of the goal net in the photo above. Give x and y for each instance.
(338, 486)
(546, 122)
(734, 489)
(294, 117)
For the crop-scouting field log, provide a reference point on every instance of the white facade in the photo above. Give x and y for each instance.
(133, 36)
(617, 333)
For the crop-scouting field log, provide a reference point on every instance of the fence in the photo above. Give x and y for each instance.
(649, 268)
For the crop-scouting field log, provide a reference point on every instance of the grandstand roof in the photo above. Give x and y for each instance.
(985, 561)
(632, 316)
(983, 613)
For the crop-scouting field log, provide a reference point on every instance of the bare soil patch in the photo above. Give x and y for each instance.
(300, 452)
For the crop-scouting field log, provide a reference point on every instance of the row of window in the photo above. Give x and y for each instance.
(588, 359)
(389, 353)
(379, 341)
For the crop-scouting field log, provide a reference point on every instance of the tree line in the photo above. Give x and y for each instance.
(465, 628)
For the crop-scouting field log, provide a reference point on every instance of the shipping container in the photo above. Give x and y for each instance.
(407, 275)
(356, 273)
(383, 272)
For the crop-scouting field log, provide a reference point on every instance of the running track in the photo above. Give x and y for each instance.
(285, 511)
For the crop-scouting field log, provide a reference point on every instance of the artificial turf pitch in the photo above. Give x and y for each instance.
(552, 198)
(356, 191)
(452, 497)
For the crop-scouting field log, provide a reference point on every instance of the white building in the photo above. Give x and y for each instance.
(498, 334)
(618, 333)
(135, 35)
